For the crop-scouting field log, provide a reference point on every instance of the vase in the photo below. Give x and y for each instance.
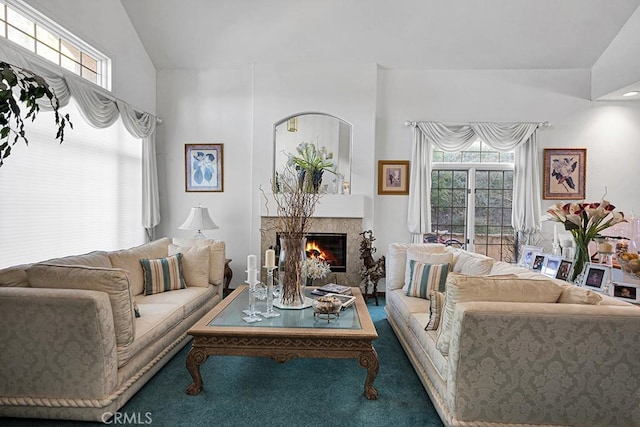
(310, 179)
(581, 258)
(292, 254)
(316, 179)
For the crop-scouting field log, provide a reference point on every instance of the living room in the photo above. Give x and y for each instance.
(255, 64)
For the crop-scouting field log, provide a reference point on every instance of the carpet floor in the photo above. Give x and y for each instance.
(245, 391)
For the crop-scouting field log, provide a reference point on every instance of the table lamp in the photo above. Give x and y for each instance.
(199, 219)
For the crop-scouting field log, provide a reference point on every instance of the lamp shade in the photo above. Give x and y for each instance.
(199, 219)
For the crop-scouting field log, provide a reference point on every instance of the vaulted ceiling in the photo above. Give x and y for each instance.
(414, 34)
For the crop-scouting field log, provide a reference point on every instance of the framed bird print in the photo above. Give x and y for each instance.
(203, 167)
(564, 173)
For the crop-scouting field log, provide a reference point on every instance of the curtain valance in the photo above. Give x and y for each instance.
(100, 109)
(518, 137)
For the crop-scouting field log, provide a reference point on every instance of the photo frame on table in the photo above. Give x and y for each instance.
(203, 167)
(538, 262)
(595, 276)
(626, 291)
(527, 254)
(551, 265)
(564, 269)
(564, 174)
(393, 177)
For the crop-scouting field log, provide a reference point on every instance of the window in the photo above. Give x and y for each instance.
(471, 199)
(30, 29)
(71, 198)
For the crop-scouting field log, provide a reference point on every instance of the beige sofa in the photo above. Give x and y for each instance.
(71, 344)
(572, 362)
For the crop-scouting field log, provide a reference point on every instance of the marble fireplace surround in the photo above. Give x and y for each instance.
(334, 214)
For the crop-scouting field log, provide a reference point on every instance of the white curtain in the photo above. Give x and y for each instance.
(518, 137)
(100, 109)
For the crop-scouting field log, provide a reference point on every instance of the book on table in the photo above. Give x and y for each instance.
(346, 300)
(332, 288)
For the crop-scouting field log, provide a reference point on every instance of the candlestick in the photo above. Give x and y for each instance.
(270, 312)
(270, 258)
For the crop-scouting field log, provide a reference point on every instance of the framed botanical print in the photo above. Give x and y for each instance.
(203, 167)
(393, 177)
(564, 173)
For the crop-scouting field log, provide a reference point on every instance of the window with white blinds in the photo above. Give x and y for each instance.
(64, 199)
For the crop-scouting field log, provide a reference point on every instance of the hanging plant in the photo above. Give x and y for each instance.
(30, 87)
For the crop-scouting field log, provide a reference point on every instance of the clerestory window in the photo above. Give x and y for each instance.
(471, 199)
(30, 29)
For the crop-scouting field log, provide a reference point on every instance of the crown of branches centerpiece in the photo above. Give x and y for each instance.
(585, 221)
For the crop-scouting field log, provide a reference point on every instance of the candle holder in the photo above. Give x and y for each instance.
(251, 312)
(270, 313)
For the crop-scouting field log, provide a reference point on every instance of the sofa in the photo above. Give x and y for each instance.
(80, 335)
(499, 345)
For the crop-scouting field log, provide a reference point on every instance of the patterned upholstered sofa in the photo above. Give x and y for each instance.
(72, 346)
(517, 349)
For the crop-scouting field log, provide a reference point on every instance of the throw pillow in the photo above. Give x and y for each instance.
(461, 288)
(471, 263)
(195, 264)
(129, 259)
(575, 295)
(424, 257)
(397, 261)
(436, 305)
(163, 274)
(113, 281)
(425, 278)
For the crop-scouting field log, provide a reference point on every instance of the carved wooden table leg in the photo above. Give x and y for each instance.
(369, 360)
(195, 358)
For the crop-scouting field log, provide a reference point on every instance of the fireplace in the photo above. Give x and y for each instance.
(331, 247)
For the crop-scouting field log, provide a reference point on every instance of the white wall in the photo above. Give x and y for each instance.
(105, 25)
(610, 131)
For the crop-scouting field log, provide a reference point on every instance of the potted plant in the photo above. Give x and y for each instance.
(21, 86)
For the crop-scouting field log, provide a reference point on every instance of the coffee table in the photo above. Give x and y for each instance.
(295, 333)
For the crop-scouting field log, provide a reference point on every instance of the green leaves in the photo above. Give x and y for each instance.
(31, 88)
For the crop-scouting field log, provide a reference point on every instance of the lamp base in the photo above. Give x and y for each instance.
(199, 236)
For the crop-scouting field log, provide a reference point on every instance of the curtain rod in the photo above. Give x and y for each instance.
(411, 123)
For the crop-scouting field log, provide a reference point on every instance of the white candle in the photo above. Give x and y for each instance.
(555, 234)
(270, 258)
(251, 262)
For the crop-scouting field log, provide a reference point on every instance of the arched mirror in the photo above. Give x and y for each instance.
(321, 130)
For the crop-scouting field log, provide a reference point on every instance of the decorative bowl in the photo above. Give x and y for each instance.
(327, 307)
(630, 264)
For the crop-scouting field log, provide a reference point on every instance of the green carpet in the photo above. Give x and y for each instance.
(245, 391)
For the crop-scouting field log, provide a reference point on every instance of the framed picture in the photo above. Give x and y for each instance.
(595, 276)
(203, 167)
(626, 291)
(564, 173)
(527, 254)
(564, 269)
(551, 265)
(393, 177)
(538, 262)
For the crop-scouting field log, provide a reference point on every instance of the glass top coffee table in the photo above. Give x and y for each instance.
(295, 333)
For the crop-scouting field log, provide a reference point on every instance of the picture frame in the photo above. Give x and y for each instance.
(626, 291)
(527, 254)
(551, 265)
(564, 174)
(393, 177)
(203, 167)
(538, 262)
(564, 269)
(595, 276)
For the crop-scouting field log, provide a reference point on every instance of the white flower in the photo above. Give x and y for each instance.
(315, 268)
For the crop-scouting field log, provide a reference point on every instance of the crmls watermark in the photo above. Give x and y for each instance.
(125, 418)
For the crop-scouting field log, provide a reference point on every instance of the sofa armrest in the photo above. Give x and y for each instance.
(56, 343)
(539, 363)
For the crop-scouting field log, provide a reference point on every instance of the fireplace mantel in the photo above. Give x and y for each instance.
(329, 206)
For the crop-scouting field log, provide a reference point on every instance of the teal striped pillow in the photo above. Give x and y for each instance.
(425, 278)
(163, 274)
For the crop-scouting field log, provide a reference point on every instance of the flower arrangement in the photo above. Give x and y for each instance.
(315, 268)
(311, 162)
(585, 221)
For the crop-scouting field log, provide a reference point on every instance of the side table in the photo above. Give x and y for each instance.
(228, 275)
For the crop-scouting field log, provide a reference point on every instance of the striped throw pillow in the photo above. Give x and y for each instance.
(163, 274)
(425, 278)
(436, 300)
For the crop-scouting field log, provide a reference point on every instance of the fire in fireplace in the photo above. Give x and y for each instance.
(331, 247)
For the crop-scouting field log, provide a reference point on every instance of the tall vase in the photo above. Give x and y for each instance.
(292, 253)
(581, 258)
